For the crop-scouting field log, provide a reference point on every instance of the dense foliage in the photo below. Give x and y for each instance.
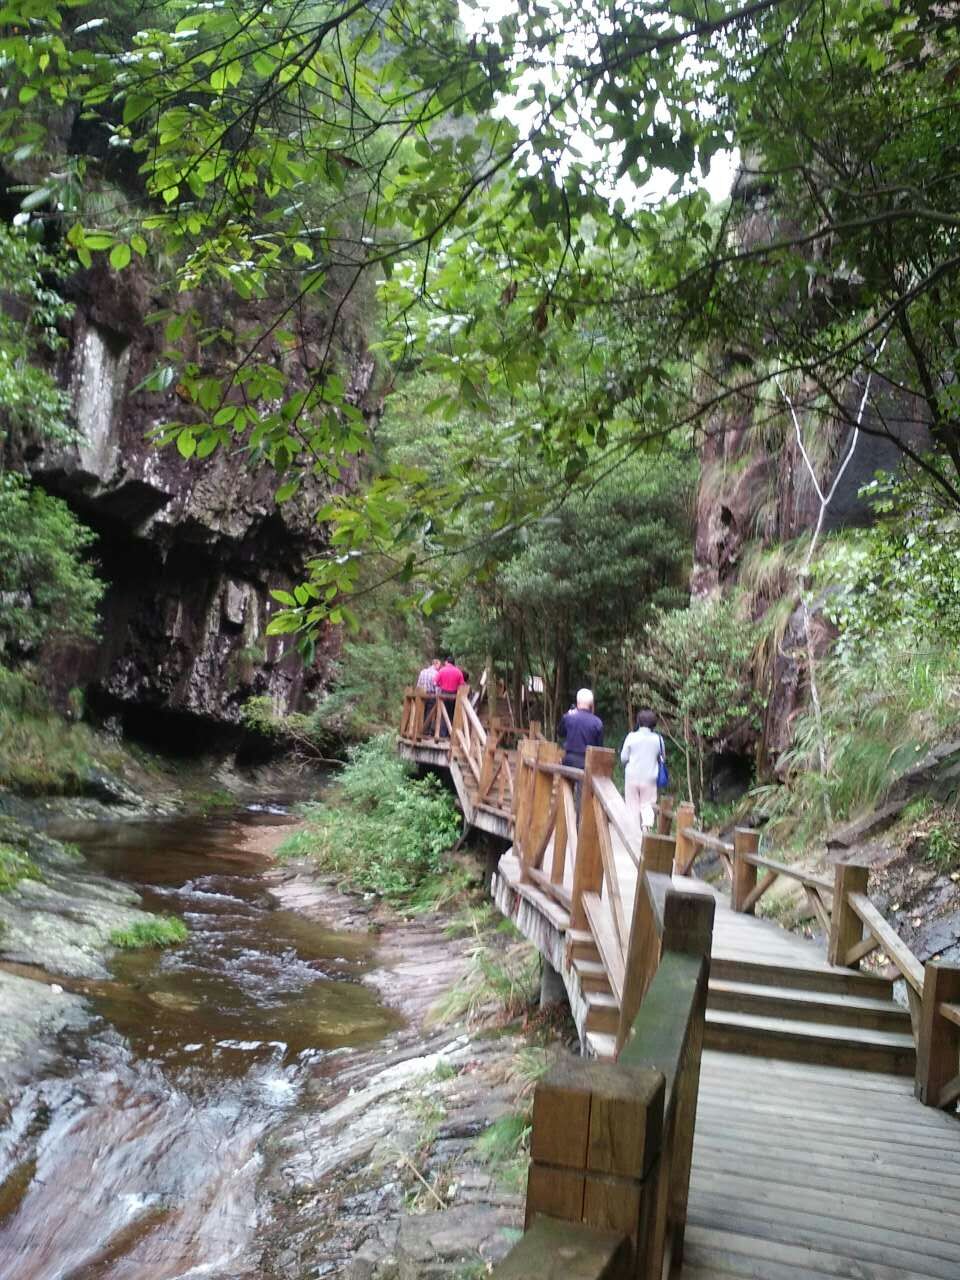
(381, 830)
(291, 153)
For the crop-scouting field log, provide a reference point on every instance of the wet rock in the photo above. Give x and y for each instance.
(32, 1014)
(61, 923)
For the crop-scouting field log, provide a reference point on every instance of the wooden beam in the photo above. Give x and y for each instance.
(608, 858)
(889, 939)
(686, 849)
(857, 953)
(568, 1251)
(937, 1053)
(758, 890)
(664, 815)
(744, 878)
(846, 927)
(588, 868)
(603, 927)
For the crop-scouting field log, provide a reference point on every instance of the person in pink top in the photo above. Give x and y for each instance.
(449, 679)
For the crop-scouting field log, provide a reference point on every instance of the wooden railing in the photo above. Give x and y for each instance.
(854, 928)
(425, 719)
(612, 1145)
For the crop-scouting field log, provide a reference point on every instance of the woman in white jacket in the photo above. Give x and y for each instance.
(642, 752)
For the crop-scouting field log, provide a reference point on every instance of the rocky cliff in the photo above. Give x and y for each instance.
(756, 496)
(190, 550)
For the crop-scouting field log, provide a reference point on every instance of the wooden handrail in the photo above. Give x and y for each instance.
(889, 939)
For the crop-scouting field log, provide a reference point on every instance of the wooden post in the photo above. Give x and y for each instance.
(595, 1149)
(541, 815)
(846, 927)
(458, 716)
(745, 840)
(419, 710)
(658, 853)
(938, 1059)
(526, 758)
(588, 868)
(664, 815)
(686, 849)
(488, 764)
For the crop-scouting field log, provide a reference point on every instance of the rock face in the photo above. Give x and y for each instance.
(756, 493)
(190, 550)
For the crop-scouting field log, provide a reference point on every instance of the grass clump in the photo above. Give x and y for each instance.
(161, 931)
(16, 866)
(40, 752)
(381, 829)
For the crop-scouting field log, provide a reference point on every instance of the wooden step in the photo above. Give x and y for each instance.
(601, 1046)
(808, 1006)
(816, 1042)
(838, 981)
(603, 1012)
(580, 943)
(592, 975)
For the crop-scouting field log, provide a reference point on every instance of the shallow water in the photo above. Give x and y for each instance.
(140, 1158)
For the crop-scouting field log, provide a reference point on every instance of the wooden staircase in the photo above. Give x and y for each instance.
(820, 1016)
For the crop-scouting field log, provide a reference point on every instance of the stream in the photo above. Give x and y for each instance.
(140, 1156)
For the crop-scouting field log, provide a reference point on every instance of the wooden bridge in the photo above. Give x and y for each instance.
(747, 1106)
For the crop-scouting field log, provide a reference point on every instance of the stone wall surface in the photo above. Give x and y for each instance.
(190, 549)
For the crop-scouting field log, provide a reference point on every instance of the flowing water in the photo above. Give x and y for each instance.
(140, 1157)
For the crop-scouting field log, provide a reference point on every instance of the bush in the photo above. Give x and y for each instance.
(383, 830)
(162, 931)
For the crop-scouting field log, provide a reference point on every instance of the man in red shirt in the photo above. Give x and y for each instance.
(449, 679)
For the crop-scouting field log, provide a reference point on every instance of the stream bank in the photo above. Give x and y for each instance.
(270, 1099)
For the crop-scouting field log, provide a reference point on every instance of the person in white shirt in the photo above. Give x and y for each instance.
(642, 752)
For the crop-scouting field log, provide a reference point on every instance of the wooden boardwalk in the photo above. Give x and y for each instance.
(812, 1156)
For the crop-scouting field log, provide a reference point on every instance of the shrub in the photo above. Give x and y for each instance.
(383, 830)
(162, 931)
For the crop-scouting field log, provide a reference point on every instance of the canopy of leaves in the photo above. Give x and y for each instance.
(287, 152)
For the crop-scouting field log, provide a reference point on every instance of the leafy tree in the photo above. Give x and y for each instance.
(692, 666)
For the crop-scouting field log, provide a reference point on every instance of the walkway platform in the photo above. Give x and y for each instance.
(809, 1128)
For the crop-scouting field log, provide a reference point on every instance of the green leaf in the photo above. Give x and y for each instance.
(120, 256)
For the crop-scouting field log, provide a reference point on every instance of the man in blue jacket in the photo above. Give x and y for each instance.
(580, 729)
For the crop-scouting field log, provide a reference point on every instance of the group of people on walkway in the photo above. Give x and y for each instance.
(642, 753)
(441, 680)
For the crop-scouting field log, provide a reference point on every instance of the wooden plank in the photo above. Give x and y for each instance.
(951, 1012)
(765, 1259)
(545, 882)
(846, 928)
(614, 893)
(620, 817)
(602, 928)
(791, 873)
(706, 841)
(889, 939)
(865, 1246)
(588, 868)
(937, 1053)
(758, 890)
(567, 1251)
